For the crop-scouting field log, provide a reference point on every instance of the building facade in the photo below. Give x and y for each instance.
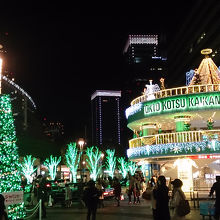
(106, 119)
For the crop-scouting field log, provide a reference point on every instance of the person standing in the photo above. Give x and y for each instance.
(91, 199)
(117, 190)
(68, 195)
(131, 189)
(3, 213)
(161, 196)
(216, 188)
(42, 194)
(177, 196)
(101, 189)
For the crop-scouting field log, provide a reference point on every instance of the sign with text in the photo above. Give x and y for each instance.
(189, 102)
(13, 197)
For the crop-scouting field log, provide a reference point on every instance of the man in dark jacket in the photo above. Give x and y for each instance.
(91, 199)
(216, 188)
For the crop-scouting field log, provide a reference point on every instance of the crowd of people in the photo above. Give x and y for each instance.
(164, 205)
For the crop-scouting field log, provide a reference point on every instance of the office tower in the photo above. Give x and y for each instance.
(105, 107)
(145, 59)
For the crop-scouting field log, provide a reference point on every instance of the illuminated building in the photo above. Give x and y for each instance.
(106, 124)
(146, 59)
(180, 127)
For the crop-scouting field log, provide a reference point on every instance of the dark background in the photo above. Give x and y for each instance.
(60, 54)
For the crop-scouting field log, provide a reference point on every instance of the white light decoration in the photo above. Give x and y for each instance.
(184, 171)
(27, 167)
(133, 109)
(151, 89)
(19, 89)
(52, 163)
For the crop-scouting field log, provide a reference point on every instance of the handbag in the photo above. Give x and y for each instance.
(183, 208)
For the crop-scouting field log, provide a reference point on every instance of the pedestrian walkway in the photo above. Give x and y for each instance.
(110, 211)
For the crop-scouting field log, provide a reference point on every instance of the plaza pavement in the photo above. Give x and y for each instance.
(110, 212)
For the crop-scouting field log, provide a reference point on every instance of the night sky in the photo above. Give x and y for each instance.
(61, 54)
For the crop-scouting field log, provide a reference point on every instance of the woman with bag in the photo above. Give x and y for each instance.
(179, 202)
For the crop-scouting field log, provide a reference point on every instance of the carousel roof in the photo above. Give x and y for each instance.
(207, 73)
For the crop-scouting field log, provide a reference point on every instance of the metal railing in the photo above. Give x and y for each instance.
(179, 91)
(176, 137)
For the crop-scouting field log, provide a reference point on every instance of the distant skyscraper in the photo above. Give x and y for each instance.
(106, 125)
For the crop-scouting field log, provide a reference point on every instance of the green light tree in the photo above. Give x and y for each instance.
(73, 159)
(10, 178)
(93, 161)
(111, 162)
(123, 166)
(27, 167)
(52, 163)
(132, 167)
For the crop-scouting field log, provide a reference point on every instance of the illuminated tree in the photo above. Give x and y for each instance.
(10, 178)
(132, 166)
(111, 162)
(51, 163)
(93, 161)
(123, 166)
(27, 167)
(73, 159)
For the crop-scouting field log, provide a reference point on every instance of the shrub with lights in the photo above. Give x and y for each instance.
(73, 159)
(9, 159)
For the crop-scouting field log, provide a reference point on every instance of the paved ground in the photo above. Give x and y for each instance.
(110, 212)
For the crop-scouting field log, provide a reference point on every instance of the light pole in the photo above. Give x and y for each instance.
(81, 143)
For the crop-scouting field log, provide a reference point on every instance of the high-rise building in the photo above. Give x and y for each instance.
(106, 124)
(146, 60)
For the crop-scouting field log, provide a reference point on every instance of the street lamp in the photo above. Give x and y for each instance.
(81, 143)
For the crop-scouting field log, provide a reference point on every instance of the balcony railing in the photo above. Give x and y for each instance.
(179, 91)
(177, 137)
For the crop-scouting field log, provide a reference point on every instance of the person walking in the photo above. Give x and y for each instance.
(42, 194)
(91, 199)
(138, 188)
(161, 196)
(3, 213)
(68, 196)
(117, 190)
(216, 188)
(177, 196)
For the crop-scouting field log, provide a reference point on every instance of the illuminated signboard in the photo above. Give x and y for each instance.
(197, 101)
(174, 104)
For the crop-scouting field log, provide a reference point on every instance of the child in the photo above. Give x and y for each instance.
(68, 196)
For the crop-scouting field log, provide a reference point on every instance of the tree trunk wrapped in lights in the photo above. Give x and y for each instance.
(9, 159)
(123, 166)
(52, 163)
(93, 161)
(27, 167)
(73, 159)
(111, 162)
